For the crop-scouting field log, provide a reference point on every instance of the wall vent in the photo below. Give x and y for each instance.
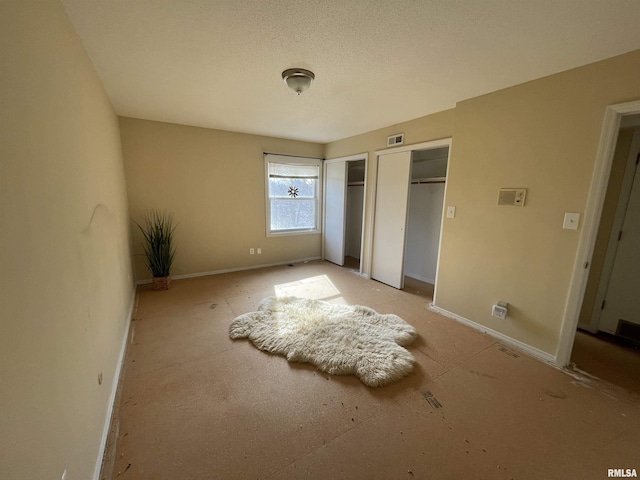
(629, 331)
(394, 140)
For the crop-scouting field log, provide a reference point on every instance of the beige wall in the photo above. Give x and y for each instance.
(213, 182)
(66, 285)
(543, 136)
(618, 166)
(431, 127)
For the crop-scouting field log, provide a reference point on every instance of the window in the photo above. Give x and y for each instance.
(293, 195)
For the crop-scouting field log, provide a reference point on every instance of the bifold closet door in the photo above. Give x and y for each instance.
(335, 211)
(390, 219)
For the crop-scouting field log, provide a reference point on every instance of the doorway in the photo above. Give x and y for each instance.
(616, 117)
(344, 203)
(426, 204)
(409, 205)
(607, 344)
(355, 214)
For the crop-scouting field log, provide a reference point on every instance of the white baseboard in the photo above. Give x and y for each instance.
(114, 391)
(229, 270)
(534, 352)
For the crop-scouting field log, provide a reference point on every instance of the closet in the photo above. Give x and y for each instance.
(355, 209)
(408, 212)
(344, 192)
(424, 221)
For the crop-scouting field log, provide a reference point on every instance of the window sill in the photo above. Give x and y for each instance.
(287, 233)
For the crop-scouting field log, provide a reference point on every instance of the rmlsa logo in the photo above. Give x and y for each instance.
(622, 472)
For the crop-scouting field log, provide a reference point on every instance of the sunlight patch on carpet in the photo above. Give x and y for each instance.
(337, 339)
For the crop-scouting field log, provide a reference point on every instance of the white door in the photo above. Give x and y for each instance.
(622, 301)
(335, 211)
(390, 219)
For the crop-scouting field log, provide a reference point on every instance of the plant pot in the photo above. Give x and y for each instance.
(161, 283)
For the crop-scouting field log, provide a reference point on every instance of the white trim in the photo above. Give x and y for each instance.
(367, 221)
(229, 270)
(431, 145)
(289, 233)
(442, 218)
(528, 349)
(114, 390)
(587, 240)
(353, 158)
(364, 213)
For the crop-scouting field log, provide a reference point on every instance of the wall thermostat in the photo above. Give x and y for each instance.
(512, 196)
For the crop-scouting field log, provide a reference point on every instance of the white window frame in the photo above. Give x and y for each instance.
(290, 160)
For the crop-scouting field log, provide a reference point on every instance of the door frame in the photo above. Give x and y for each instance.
(349, 158)
(430, 145)
(587, 240)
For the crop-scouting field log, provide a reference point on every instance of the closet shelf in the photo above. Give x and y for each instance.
(417, 181)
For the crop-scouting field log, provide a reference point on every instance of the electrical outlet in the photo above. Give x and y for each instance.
(252, 251)
(499, 312)
(259, 251)
(451, 212)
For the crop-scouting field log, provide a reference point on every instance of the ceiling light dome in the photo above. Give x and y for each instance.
(298, 79)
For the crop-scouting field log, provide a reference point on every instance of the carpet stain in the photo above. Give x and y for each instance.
(480, 374)
(508, 352)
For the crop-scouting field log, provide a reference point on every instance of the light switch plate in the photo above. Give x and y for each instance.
(571, 221)
(451, 212)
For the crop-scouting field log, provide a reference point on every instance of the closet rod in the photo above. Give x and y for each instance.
(429, 180)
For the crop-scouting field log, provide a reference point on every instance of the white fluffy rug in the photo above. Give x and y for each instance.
(338, 339)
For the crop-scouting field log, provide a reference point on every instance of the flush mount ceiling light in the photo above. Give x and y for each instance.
(298, 79)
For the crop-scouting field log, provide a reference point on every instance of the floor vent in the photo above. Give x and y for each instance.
(629, 331)
(433, 401)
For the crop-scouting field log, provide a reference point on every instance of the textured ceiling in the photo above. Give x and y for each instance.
(218, 63)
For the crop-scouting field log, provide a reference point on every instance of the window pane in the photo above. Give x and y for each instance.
(279, 187)
(293, 214)
(293, 191)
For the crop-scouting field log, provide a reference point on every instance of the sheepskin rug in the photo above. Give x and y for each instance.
(337, 339)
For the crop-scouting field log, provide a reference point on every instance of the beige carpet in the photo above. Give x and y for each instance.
(196, 404)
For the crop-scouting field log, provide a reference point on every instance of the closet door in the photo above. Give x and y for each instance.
(335, 211)
(390, 219)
